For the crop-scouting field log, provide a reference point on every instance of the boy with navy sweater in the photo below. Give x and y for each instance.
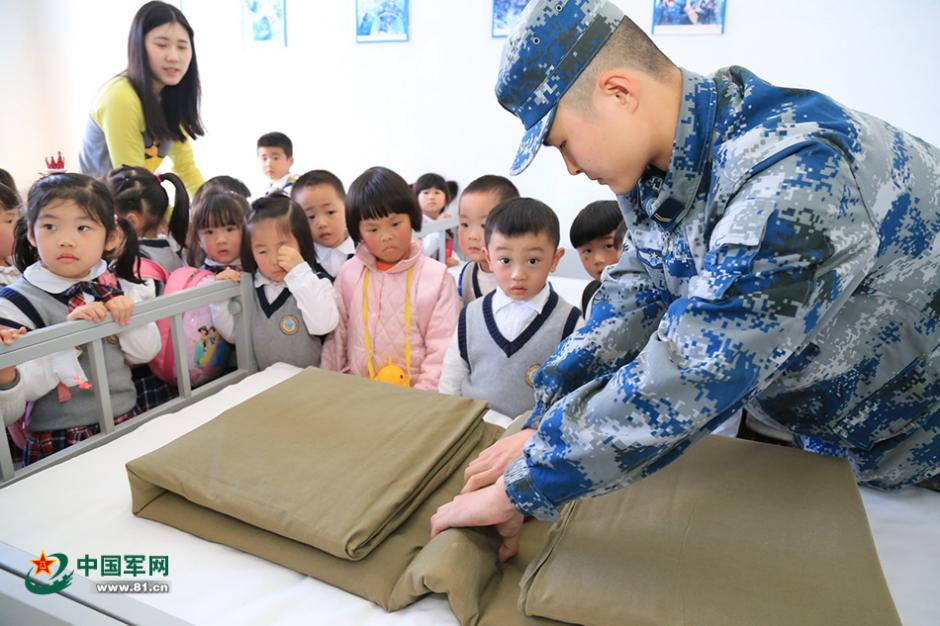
(503, 338)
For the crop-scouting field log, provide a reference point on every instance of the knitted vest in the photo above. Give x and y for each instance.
(501, 371)
(278, 332)
(468, 284)
(45, 309)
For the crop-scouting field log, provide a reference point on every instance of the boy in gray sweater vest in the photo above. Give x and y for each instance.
(503, 338)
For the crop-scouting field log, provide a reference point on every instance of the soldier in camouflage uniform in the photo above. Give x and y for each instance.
(782, 254)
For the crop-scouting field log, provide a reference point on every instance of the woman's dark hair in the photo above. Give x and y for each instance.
(136, 190)
(177, 108)
(290, 217)
(217, 209)
(379, 192)
(436, 181)
(88, 193)
(126, 266)
(9, 196)
(318, 177)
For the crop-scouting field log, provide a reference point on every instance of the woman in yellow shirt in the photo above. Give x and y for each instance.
(150, 111)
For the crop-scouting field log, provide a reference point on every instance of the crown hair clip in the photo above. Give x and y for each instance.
(56, 163)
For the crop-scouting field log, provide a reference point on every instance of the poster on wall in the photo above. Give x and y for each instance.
(505, 15)
(381, 20)
(264, 23)
(689, 17)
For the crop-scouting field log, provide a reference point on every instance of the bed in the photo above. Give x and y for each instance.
(81, 507)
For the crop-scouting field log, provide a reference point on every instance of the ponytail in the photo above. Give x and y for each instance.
(126, 265)
(179, 220)
(24, 253)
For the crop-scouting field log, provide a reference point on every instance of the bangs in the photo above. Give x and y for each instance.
(219, 210)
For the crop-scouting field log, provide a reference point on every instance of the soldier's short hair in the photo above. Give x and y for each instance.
(628, 45)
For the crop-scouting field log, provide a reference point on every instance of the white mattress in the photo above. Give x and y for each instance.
(83, 507)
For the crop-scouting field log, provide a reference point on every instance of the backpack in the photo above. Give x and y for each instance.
(207, 353)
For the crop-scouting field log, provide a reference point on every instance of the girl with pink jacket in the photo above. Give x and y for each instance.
(398, 309)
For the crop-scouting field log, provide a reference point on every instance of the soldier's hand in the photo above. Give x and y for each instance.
(492, 462)
(486, 507)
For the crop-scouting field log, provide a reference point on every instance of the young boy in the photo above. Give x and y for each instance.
(322, 197)
(276, 153)
(597, 234)
(503, 338)
(478, 199)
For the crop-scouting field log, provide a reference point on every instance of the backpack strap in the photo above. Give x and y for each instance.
(23, 304)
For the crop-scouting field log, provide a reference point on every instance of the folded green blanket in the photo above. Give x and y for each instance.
(733, 532)
(328, 460)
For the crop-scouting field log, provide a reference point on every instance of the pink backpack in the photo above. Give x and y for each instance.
(207, 354)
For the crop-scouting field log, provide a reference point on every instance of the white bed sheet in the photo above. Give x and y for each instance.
(83, 507)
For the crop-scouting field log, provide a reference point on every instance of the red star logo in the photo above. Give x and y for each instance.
(42, 564)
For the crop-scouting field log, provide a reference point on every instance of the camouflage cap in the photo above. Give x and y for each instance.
(552, 44)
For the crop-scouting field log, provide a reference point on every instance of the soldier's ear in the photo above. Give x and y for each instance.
(619, 86)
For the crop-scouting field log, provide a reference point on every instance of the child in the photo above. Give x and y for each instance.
(70, 225)
(478, 199)
(434, 194)
(503, 338)
(139, 197)
(218, 226)
(597, 233)
(9, 214)
(321, 196)
(222, 183)
(397, 307)
(276, 153)
(290, 297)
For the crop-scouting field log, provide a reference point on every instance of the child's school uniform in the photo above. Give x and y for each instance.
(418, 284)
(64, 409)
(163, 251)
(283, 185)
(331, 259)
(288, 319)
(500, 344)
(473, 282)
(8, 275)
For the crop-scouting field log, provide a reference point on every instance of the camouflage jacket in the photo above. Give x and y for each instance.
(786, 261)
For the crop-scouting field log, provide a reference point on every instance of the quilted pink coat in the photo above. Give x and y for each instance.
(434, 311)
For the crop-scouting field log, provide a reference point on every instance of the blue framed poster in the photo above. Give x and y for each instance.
(689, 17)
(505, 15)
(264, 23)
(381, 20)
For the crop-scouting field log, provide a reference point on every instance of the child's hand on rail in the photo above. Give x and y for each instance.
(7, 337)
(93, 312)
(229, 274)
(120, 308)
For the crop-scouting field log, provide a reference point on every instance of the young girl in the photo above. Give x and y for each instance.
(434, 194)
(293, 305)
(218, 226)
(398, 308)
(70, 225)
(322, 197)
(141, 199)
(9, 214)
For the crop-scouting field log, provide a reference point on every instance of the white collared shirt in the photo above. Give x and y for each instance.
(333, 258)
(282, 184)
(39, 376)
(512, 318)
(315, 299)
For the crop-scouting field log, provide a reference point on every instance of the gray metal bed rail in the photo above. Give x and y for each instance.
(437, 226)
(46, 341)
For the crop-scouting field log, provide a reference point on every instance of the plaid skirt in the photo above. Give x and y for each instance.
(151, 391)
(41, 444)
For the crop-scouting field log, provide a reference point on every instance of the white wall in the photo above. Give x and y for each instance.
(427, 105)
